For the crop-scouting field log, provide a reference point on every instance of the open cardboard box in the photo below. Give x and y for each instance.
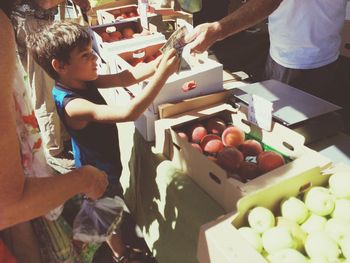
(145, 124)
(220, 242)
(110, 15)
(206, 173)
(92, 13)
(170, 13)
(107, 50)
(206, 72)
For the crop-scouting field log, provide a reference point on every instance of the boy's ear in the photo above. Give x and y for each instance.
(57, 65)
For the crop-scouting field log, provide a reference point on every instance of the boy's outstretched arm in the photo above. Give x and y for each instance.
(128, 77)
(79, 112)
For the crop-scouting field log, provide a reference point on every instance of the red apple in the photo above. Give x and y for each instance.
(233, 136)
(133, 14)
(149, 59)
(124, 15)
(248, 170)
(250, 148)
(135, 61)
(230, 158)
(105, 37)
(128, 32)
(269, 160)
(197, 132)
(115, 36)
(211, 144)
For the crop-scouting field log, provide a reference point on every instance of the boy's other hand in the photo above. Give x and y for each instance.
(96, 181)
(169, 63)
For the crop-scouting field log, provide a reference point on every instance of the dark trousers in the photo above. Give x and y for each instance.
(319, 82)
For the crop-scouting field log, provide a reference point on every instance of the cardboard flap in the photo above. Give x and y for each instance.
(281, 138)
(171, 109)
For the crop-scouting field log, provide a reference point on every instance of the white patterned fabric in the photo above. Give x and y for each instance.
(33, 158)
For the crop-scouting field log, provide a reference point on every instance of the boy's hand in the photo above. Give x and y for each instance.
(96, 181)
(169, 63)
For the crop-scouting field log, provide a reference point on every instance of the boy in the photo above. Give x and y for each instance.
(64, 50)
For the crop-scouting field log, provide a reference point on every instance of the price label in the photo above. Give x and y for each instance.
(260, 112)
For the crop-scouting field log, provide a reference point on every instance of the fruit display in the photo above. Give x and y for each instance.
(311, 227)
(125, 33)
(232, 149)
(141, 56)
(124, 15)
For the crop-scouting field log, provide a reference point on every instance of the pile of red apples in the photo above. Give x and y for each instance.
(226, 145)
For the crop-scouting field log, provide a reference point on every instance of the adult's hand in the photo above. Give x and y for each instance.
(96, 181)
(83, 4)
(203, 36)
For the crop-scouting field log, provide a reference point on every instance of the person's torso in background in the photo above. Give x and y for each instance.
(305, 34)
(28, 7)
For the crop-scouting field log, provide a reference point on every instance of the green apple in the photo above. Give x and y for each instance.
(287, 255)
(342, 209)
(314, 223)
(294, 209)
(337, 229)
(345, 247)
(298, 234)
(261, 219)
(320, 245)
(319, 200)
(252, 236)
(277, 238)
(339, 183)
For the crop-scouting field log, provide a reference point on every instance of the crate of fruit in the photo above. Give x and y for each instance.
(203, 77)
(119, 37)
(228, 156)
(302, 219)
(121, 13)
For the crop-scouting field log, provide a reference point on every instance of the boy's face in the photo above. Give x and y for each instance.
(82, 64)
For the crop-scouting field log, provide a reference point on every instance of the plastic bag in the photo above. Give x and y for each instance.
(97, 220)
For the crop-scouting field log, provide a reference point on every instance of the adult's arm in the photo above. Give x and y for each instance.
(249, 14)
(24, 198)
(128, 77)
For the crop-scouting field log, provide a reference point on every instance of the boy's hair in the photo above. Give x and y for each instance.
(56, 41)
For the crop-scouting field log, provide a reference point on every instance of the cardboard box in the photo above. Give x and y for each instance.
(92, 13)
(220, 242)
(171, 14)
(210, 176)
(145, 125)
(207, 73)
(111, 15)
(107, 50)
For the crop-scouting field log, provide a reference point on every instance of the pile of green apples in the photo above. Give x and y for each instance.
(311, 228)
